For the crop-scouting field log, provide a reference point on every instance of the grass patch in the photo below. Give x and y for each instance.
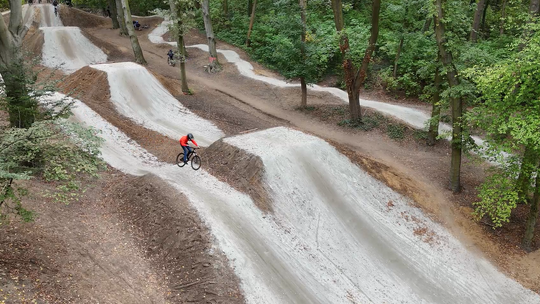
(395, 131)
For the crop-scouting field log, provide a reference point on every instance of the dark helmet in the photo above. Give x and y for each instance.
(190, 136)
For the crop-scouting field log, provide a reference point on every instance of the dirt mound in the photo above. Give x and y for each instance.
(75, 17)
(172, 235)
(240, 169)
(33, 41)
(113, 52)
(92, 87)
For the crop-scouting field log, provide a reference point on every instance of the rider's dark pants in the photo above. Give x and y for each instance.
(187, 149)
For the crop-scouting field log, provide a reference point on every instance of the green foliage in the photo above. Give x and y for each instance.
(509, 112)
(52, 148)
(395, 131)
(498, 197)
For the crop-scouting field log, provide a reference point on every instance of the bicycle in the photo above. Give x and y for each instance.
(192, 156)
(55, 11)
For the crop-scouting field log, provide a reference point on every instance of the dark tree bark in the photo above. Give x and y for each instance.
(180, 46)
(427, 25)
(114, 14)
(476, 21)
(303, 84)
(397, 55)
(483, 23)
(533, 216)
(433, 131)
(251, 21)
(225, 7)
(455, 103)
(528, 165)
(503, 17)
(137, 50)
(355, 79)
(121, 18)
(214, 65)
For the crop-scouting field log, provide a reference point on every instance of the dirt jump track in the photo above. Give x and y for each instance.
(281, 216)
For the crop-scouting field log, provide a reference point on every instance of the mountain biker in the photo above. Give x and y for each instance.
(136, 25)
(184, 143)
(171, 56)
(55, 3)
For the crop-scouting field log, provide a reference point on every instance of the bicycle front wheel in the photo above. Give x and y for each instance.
(196, 162)
(180, 160)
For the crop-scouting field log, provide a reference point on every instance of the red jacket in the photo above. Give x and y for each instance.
(184, 141)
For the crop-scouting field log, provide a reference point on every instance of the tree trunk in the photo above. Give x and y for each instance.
(180, 46)
(528, 166)
(476, 21)
(225, 7)
(360, 78)
(534, 6)
(436, 111)
(303, 85)
(21, 107)
(427, 25)
(114, 15)
(251, 21)
(455, 103)
(533, 216)
(139, 57)
(483, 23)
(503, 17)
(121, 18)
(249, 7)
(214, 65)
(397, 55)
(354, 81)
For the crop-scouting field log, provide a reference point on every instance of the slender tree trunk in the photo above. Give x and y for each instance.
(225, 7)
(476, 21)
(121, 18)
(114, 15)
(427, 25)
(533, 216)
(214, 65)
(303, 84)
(397, 55)
(436, 110)
(503, 17)
(181, 47)
(483, 23)
(251, 21)
(528, 165)
(137, 51)
(455, 103)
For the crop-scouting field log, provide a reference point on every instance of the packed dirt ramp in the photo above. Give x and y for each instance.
(242, 170)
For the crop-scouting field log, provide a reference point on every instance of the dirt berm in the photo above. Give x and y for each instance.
(240, 169)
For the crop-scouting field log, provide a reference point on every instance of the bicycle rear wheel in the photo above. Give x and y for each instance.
(196, 162)
(180, 160)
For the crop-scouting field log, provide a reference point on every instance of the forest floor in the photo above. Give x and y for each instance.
(75, 253)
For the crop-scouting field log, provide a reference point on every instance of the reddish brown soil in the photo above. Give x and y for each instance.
(128, 240)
